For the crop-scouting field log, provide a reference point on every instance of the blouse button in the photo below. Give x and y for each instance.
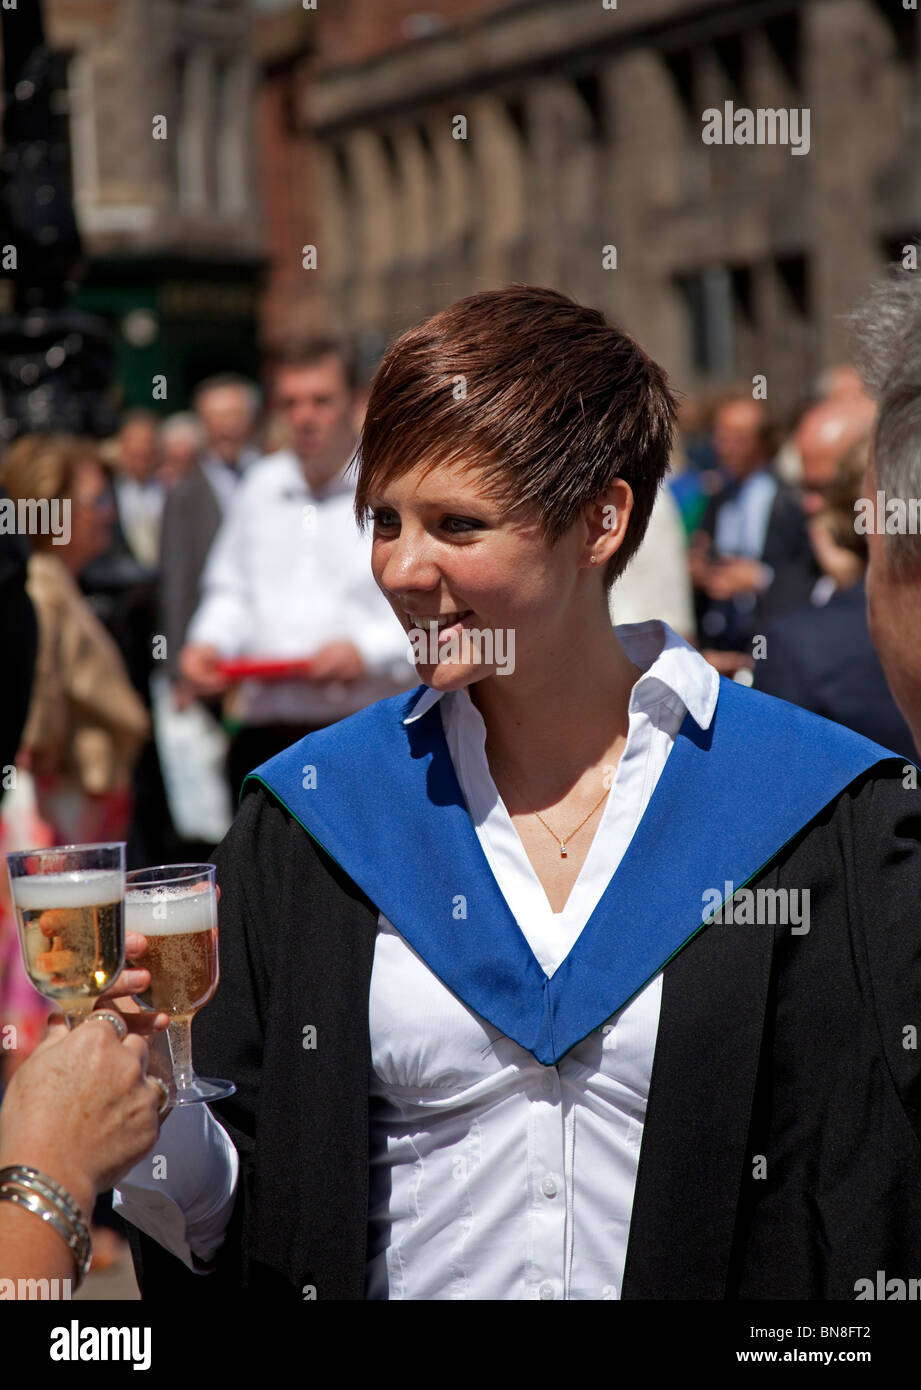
(548, 1186)
(546, 1290)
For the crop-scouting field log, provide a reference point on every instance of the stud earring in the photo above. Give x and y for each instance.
(594, 559)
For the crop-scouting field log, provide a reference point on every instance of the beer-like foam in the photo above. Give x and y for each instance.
(170, 911)
(75, 888)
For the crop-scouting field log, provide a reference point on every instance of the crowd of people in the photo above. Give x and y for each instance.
(214, 602)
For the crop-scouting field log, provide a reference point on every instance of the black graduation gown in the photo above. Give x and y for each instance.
(781, 1156)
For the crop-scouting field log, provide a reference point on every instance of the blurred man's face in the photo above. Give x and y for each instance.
(737, 440)
(317, 405)
(138, 449)
(227, 417)
(892, 615)
(823, 437)
(843, 381)
(820, 447)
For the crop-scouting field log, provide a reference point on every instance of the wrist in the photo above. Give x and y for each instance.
(34, 1191)
(61, 1169)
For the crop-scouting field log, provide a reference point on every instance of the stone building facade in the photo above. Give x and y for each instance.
(165, 180)
(562, 143)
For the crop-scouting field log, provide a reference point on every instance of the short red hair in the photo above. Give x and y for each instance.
(541, 394)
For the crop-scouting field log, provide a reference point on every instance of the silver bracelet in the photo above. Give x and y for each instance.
(38, 1193)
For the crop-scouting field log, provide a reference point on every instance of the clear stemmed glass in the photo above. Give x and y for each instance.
(175, 907)
(69, 903)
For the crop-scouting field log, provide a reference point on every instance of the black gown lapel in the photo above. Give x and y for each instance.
(695, 1141)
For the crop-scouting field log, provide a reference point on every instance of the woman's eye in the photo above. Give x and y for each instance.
(385, 520)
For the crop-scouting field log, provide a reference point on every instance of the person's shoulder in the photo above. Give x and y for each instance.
(181, 502)
(784, 493)
(263, 835)
(267, 846)
(189, 485)
(367, 739)
(280, 466)
(393, 709)
(263, 482)
(14, 548)
(875, 821)
(48, 580)
(890, 790)
(365, 727)
(779, 715)
(802, 618)
(807, 752)
(882, 790)
(786, 504)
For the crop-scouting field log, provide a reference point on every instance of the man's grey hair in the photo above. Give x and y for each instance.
(223, 379)
(886, 329)
(183, 422)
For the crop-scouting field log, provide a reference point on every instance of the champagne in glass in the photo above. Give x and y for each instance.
(69, 904)
(175, 907)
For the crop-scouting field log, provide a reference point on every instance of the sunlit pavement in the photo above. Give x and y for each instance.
(116, 1282)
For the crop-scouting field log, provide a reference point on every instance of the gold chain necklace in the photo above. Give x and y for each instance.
(563, 843)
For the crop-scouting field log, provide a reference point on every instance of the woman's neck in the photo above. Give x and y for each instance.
(545, 728)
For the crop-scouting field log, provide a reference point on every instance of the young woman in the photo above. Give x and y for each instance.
(494, 1034)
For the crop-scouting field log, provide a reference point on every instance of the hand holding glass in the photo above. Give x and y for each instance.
(175, 907)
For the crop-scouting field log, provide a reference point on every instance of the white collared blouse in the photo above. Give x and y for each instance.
(492, 1176)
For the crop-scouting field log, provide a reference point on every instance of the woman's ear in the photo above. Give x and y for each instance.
(606, 521)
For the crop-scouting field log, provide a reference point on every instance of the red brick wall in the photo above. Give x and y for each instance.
(287, 181)
(345, 32)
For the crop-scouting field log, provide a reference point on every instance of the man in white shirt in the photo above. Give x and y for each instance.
(289, 575)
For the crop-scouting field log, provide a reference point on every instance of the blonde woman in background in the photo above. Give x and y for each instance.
(86, 725)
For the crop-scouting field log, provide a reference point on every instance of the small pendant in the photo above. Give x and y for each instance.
(562, 849)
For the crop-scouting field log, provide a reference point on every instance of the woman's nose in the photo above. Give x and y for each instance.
(410, 565)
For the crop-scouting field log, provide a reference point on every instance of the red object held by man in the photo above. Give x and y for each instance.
(263, 668)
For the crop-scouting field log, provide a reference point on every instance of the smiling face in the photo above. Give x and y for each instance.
(444, 553)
